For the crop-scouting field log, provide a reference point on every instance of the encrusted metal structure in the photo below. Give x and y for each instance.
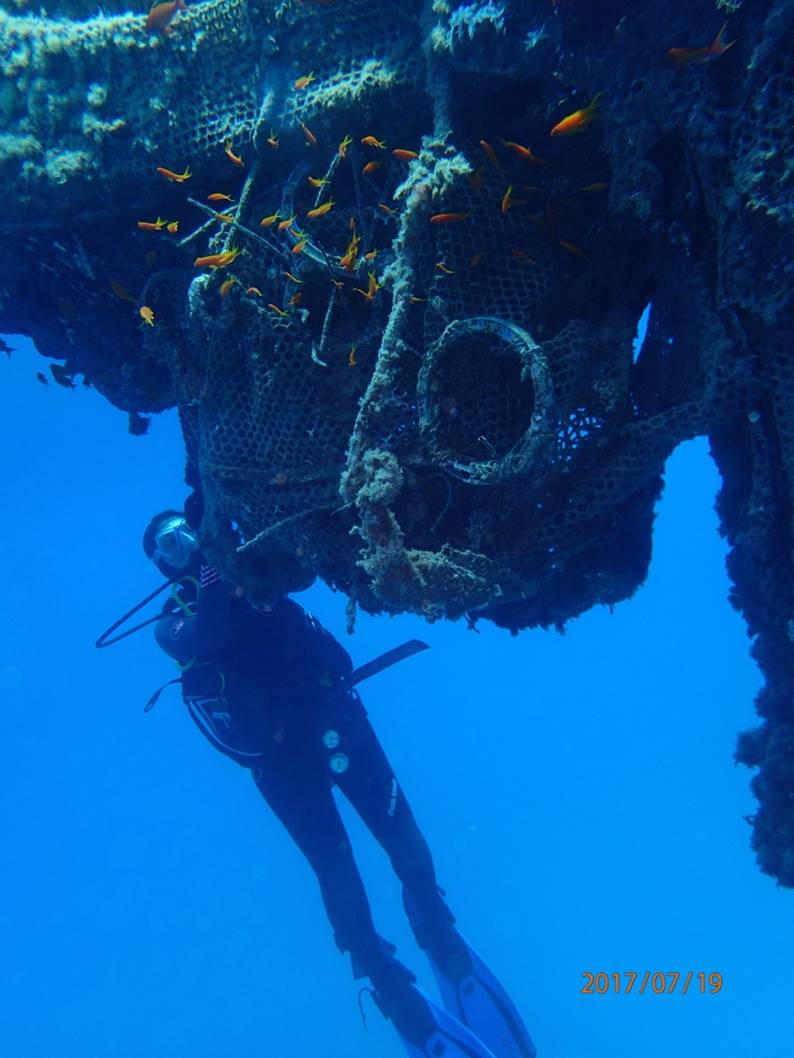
(425, 393)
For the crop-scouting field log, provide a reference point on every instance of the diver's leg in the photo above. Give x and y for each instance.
(470, 991)
(297, 787)
(371, 786)
(301, 797)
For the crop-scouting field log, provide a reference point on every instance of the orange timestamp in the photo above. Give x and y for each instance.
(654, 982)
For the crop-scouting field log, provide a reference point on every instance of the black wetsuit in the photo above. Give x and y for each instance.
(267, 687)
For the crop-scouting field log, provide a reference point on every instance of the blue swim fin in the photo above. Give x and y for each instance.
(475, 997)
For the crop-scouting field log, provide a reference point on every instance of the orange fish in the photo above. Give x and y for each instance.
(172, 227)
(351, 356)
(304, 82)
(266, 222)
(449, 218)
(121, 291)
(295, 299)
(371, 167)
(293, 278)
(151, 225)
(219, 196)
(284, 224)
(372, 288)
(522, 257)
(317, 181)
(507, 199)
(342, 148)
(226, 286)
(161, 16)
(386, 209)
(227, 218)
(276, 309)
(441, 267)
(403, 155)
(217, 260)
(490, 154)
(348, 261)
(578, 120)
(234, 158)
(692, 56)
(525, 153)
(299, 246)
(573, 248)
(476, 260)
(273, 140)
(146, 314)
(254, 290)
(320, 211)
(370, 141)
(178, 178)
(310, 137)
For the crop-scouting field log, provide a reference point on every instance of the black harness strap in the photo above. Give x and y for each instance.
(154, 698)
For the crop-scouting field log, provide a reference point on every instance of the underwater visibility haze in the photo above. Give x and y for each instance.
(461, 325)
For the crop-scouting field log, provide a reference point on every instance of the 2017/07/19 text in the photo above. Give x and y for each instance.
(658, 983)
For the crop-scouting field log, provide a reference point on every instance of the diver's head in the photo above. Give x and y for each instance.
(170, 543)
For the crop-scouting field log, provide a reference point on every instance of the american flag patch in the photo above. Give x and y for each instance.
(208, 575)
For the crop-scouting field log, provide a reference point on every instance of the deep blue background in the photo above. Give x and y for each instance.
(578, 791)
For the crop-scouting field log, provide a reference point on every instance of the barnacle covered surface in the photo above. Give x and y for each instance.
(475, 438)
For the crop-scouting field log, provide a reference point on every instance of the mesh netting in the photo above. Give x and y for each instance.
(426, 394)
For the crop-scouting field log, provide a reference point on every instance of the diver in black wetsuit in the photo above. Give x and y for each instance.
(268, 686)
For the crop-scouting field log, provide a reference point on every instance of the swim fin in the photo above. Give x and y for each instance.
(475, 997)
(427, 1031)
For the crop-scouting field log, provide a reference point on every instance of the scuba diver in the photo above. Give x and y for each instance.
(274, 690)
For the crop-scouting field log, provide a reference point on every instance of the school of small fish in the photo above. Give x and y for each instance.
(499, 157)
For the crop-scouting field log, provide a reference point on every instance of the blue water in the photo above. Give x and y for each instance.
(578, 792)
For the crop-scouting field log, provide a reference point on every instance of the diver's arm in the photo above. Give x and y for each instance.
(186, 635)
(176, 635)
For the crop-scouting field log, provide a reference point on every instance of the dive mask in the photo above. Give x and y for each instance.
(175, 543)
